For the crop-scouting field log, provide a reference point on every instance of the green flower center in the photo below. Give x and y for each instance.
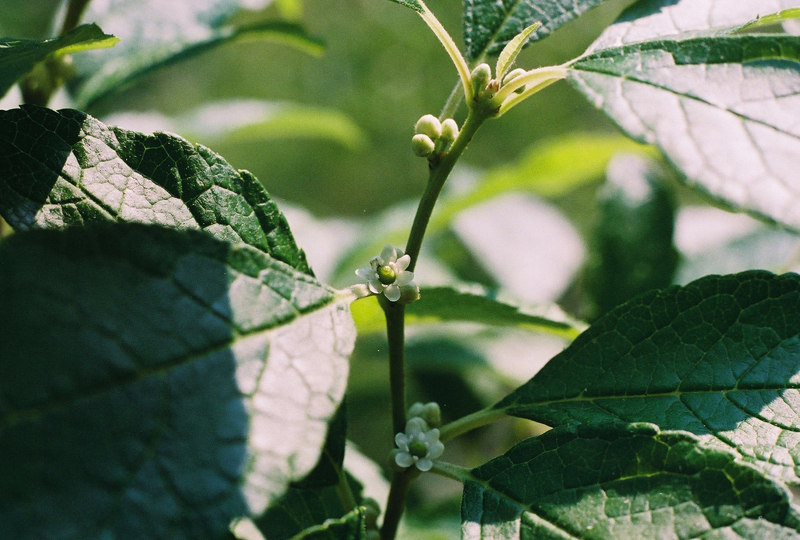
(418, 449)
(386, 274)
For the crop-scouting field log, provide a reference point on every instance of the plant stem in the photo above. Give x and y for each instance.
(73, 16)
(440, 169)
(395, 504)
(395, 332)
(469, 422)
(448, 470)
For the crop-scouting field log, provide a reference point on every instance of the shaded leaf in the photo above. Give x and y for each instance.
(153, 37)
(631, 248)
(413, 4)
(468, 304)
(19, 56)
(349, 527)
(326, 473)
(612, 482)
(490, 24)
(719, 358)
(157, 383)
(64, 168)
(720, 108)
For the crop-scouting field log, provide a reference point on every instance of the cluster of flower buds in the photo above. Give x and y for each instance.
(419, 445)
(433, 137)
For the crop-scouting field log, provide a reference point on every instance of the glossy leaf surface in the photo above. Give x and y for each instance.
(65, 168)
(20, 56)
(158, 383)
(721, 109)
(719, 357)
(613, 482)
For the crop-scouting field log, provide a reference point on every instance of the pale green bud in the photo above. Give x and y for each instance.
(513, 74)
(481, 76)
(432, 414)
(449, 130)
(422, 145)
(429, 125)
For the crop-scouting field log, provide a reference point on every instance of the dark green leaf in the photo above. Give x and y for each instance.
(721, 109)
(413, 4)
(611, 482)
(19, 56)
(153, 37)
(719, 358)
(631, 246)
(157, 383)
(490, 24)
(349, 527)
(63, 168)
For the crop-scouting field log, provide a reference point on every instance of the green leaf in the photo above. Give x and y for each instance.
(468, 304)
(351, 526)
(413, 4)
(719, 358)
(612, 482)
(772, 19)
(631, 245)
(490, 24)
(327, 471)
(720, 108)
(19, 56)
(153, 37)
(510, 52)
(651, 19)
(64, 168)
(157, 383)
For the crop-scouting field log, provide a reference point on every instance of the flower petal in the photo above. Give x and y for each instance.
(424, 464)
(416, 427)
(404, 278)
(389, 255)
(376, 286)
(435, 450)
(402, 441)
(404, 459)
(403, 262)
(392, 292)
(366, 274)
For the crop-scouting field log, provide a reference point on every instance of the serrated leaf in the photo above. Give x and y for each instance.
(648, 20)
(157, 383)
(413, 4)
(720, 108)
(65, 168)
(351, 526)
(719, 357)
(469, 304)
(153, 37)
(772, 19)
(490, 24)
(512, 49)
(612, 482)
(631, 249)
(19, 56)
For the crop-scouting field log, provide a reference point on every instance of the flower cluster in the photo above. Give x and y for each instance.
(432, 137)
(387, 275)
(419, 445)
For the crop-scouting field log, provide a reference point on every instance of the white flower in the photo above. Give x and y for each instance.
(419, 445)
(387, 274)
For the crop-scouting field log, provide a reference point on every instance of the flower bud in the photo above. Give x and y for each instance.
(372, 511)
(449, 131)
(513, 74)
(432, 414)
(429, 125)
(481, 76)
(422, 145)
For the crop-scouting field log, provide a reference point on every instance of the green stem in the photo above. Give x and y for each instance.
(395, 332)
(469, 422)
(448, 470)
(395, 504)
(440, 169)
(75, 10)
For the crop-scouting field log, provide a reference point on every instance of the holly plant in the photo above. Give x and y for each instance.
(171, 368)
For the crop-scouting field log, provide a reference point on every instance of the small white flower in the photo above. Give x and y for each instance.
(419, 445)
(387, 274)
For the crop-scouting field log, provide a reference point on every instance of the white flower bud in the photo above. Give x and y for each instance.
(429, 125)
(481, 76)
(449, 130)
(422, 145)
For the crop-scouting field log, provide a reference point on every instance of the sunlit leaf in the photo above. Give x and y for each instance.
(64, 168)
(721, 109)
(19, 56)
(611, 482)
(719, 357)
(157, 383)
(153, 37)
(413, 4)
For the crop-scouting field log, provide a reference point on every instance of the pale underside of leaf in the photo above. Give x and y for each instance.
(719, 358)
(652, 19)
(164, 382)
(614, 482)
(729, 126)
(64, 168)
(490, 24)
